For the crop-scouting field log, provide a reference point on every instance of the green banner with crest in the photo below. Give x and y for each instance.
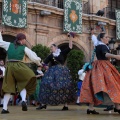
(73, 16)
(14, 13)
(117, 24)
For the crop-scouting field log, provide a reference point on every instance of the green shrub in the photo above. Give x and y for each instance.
(75, 60)
(42, 52)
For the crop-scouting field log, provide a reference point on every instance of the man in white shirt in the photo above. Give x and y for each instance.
(81, 75)
(93, 37)
(17, 73)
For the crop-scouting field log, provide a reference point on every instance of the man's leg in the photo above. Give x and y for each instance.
(23, 94)
(5, 103)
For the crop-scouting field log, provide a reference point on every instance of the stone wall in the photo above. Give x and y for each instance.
(49, 29)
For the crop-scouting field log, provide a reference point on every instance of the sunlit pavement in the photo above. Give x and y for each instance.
(55, 113)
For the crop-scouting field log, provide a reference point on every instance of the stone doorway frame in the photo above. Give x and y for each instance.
(61, 39)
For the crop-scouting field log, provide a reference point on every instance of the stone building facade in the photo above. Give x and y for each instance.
(48, 29)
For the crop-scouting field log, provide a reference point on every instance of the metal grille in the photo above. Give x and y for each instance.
(109, 13)
(55, 3)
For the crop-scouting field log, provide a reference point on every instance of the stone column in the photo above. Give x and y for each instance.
(103, 4)
(94, 6)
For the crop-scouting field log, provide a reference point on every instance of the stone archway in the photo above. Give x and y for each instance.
(77, 43)
(7, 38)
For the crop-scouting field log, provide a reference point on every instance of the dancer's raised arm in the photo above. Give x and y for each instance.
(3, 44)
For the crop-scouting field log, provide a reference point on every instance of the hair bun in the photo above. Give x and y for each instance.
(20, 36)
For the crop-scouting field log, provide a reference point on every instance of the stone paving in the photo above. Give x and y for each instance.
(55, 113)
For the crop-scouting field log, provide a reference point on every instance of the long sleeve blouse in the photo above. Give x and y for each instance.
(60, 59)
(101, 50)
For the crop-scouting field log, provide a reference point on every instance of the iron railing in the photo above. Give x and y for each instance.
(55, 3)
(59, 4)
(109, 12)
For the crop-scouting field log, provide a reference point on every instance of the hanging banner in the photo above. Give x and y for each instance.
(15, 13)
(117, 24)
(73, 16)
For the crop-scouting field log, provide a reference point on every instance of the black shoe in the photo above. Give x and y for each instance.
(33, 104)
(41, 107)
(116, 110)
(65, 108)
(1, 105)
(4, 111)
(24, 106)
(78, 104)
(109, 108)
(92, 112)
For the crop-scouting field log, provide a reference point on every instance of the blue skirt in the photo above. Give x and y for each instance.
(56, 86)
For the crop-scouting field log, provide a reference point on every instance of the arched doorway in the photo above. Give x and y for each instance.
(7, 38)
(63, 46)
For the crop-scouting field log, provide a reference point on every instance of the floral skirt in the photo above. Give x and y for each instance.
(56, 86)
(101, 84)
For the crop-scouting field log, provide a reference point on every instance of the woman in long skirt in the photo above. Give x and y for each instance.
(102, 84)
(56, 85)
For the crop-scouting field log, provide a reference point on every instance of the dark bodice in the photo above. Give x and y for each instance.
(1, 72)
(57, 60)
(101, 50)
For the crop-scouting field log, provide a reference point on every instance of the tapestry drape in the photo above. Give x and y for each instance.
(117, 24)
(73, 16)
(14, 13)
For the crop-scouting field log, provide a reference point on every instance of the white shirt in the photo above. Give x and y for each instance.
(101, 43)
(32, 55)
(56, 53)
(39, 71)
(81, 74)
(94, 40)
(3, 70)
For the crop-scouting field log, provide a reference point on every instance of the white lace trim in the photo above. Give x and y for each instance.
(56, 53)
(101, 43)
(39, 71)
